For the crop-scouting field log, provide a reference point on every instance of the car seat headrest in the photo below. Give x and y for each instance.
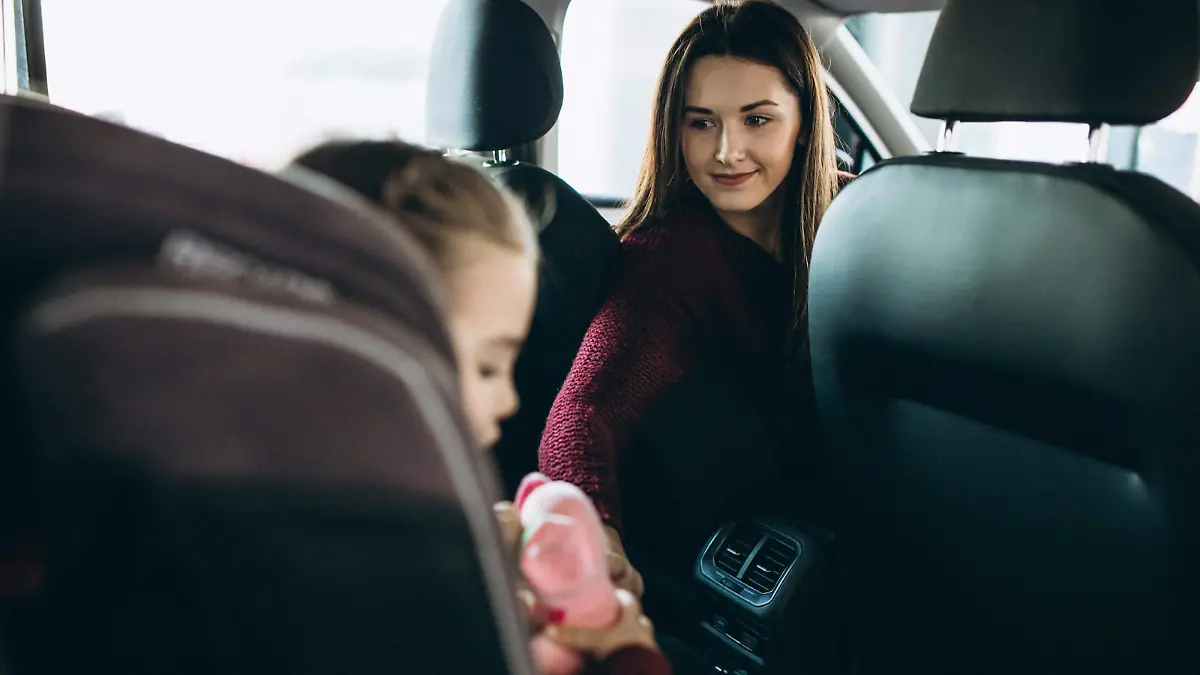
(1060, 61)
(495, 81)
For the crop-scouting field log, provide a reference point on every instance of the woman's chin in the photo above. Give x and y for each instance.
(736, 204)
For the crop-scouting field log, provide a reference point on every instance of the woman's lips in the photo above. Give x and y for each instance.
(733, 178)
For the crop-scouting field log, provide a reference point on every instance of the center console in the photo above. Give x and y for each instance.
(766, 604)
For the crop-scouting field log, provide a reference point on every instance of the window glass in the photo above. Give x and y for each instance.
(253, 80)
(612, 52)
(855, 151)
(1170, 149)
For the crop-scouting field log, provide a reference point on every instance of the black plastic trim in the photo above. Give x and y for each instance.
(709, 573)
(606, 201)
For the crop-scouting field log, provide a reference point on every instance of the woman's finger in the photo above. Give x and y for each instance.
(629, 602)
(583, 639)
(552, 658)
(509, 521)
(533, 609)
(630, 628)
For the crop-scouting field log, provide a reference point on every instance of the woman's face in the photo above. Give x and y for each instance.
(492, 292)
(740, 130)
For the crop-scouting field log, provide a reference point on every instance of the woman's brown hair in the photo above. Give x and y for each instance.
(763, 32)
(438, 199)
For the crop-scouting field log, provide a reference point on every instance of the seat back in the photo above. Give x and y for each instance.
(1006, 359)
(495, 84)
(233, 438)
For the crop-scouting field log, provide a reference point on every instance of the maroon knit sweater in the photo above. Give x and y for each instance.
(683, 286)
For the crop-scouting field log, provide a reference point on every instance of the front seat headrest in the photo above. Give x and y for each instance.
(495, 81)
(1060, 61)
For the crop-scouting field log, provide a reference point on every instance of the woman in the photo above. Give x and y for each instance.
(739, 169)
(485, 249)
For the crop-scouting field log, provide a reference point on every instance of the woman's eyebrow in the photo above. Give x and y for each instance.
(746, 108)
(758, 104)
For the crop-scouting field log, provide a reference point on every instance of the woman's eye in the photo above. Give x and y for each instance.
(701, 123)
(757, 120)
(488, 371)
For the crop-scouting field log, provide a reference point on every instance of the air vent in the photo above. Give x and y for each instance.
(769, 564)
(736, 548)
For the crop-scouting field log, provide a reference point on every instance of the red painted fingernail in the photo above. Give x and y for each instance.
(556, 616)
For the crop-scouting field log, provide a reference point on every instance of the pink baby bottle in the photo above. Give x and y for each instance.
(564, 559)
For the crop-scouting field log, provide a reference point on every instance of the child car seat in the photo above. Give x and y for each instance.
(234, 443)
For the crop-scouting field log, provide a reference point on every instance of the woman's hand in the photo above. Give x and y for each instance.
(509, 521)
(621, 572)
(632, 629)
(559, 650)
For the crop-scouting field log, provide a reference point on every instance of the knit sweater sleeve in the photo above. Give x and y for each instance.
(643, 340)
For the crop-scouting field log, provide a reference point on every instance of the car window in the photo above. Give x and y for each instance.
(1170, 149)
(253, 80)
(855, 152)
(896, 45)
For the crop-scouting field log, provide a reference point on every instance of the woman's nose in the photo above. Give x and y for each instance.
(729, 145)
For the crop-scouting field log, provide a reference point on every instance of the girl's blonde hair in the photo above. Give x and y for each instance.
(439, 199)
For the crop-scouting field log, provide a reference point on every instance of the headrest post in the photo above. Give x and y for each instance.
(1097, 143)
(946, 138)
(500, 156)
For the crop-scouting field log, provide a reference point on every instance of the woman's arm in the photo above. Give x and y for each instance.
(643, 340)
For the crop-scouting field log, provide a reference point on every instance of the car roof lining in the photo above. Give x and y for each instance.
(847, 7)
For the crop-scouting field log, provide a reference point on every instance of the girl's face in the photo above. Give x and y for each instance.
(740, 130)
(492, 292)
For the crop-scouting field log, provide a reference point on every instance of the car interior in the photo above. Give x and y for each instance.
(209, 367)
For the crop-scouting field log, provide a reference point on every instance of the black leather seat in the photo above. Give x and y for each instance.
(495, 83)
(1007, 362)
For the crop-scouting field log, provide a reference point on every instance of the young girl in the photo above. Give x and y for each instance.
(486, 250)
(739, 169)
